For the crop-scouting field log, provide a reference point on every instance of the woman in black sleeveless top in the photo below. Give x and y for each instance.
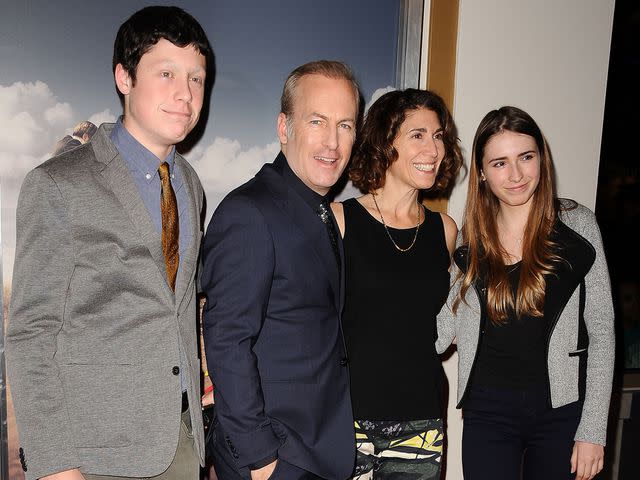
(397, 256)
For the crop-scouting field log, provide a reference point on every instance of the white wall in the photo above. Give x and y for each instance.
(550, 58)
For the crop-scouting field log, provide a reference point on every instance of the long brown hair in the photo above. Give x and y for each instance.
(480, 233)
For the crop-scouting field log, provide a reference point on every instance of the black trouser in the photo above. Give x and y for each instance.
(507, 432)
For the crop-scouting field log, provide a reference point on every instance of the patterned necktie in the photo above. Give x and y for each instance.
(170, 225)
(325, 215)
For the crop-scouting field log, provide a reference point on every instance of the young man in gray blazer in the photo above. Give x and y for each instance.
(101, 344)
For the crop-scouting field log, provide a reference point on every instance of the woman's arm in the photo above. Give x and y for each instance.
(338, 212)
(450, 232)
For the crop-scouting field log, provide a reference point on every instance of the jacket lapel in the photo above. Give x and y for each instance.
(118, 178)
(308, 223)
(188, 259)
(577, 258)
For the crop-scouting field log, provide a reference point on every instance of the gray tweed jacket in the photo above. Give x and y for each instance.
(95, 331)
(581, 345)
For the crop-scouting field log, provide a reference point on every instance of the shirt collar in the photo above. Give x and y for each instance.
(312, 198)
(137, 155)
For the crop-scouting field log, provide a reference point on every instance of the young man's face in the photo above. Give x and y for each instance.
(164, 104)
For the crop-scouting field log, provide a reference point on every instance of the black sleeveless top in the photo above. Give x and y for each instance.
(391, 302)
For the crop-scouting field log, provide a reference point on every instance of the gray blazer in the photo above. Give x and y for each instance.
(573, 353)
(95, 331)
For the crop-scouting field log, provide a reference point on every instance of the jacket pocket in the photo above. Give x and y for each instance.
(99, 400)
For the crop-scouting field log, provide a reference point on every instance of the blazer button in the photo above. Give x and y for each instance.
(175, 370)
(344, 361)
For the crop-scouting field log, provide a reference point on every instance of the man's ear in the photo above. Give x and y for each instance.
(282, 128)
(123, 80)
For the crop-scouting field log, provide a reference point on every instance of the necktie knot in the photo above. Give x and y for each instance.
(163, 171)
(323, 212)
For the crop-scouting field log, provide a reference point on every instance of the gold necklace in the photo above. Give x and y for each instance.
(400, 249)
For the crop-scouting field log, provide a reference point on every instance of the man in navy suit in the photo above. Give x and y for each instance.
(273, 276)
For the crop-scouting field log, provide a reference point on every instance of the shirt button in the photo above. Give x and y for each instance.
(344, 361)
(175, 370)
(148, 176)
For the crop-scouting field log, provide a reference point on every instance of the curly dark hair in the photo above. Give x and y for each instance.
(375, 152)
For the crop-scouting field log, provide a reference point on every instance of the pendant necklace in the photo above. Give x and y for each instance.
(400, 249)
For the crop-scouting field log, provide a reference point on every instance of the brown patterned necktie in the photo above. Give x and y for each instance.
(170, 225)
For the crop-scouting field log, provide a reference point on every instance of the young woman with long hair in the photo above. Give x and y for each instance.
(531, 308)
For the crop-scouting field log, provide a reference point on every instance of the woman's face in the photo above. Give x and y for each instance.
(420, 150)
(511, 167)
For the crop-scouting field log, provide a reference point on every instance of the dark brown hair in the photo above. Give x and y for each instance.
(374, 152)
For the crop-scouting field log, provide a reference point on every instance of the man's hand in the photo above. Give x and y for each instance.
(265, 472)
(73, 474)
(207, 398)
(587, 460)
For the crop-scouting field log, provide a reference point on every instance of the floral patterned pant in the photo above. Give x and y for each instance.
(388, 450)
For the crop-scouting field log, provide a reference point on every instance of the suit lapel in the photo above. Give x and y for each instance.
(308, 223)
(118, 178)
(188, 259)
(342, 264)
(577, 258)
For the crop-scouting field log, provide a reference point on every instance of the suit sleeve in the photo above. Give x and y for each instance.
(44, 263)
(599, 320)
(237, 276)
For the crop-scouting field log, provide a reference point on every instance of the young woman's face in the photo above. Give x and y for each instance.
(511, 167)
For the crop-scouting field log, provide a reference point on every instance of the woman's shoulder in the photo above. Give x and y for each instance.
(344, 210)
(580, 219)
(450, 231)
(574, 214)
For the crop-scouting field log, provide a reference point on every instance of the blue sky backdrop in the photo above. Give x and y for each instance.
(55, 70)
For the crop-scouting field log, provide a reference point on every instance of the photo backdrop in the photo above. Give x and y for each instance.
(55, 71)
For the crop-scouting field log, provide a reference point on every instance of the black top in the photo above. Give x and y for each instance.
(513, 354)
(391, 303)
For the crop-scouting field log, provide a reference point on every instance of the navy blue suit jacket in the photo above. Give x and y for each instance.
(272, 330)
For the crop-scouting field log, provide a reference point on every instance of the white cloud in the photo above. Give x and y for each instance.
(225, 164)
(104, 116)
(377, 94)
(32, 119)
(59, 114)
